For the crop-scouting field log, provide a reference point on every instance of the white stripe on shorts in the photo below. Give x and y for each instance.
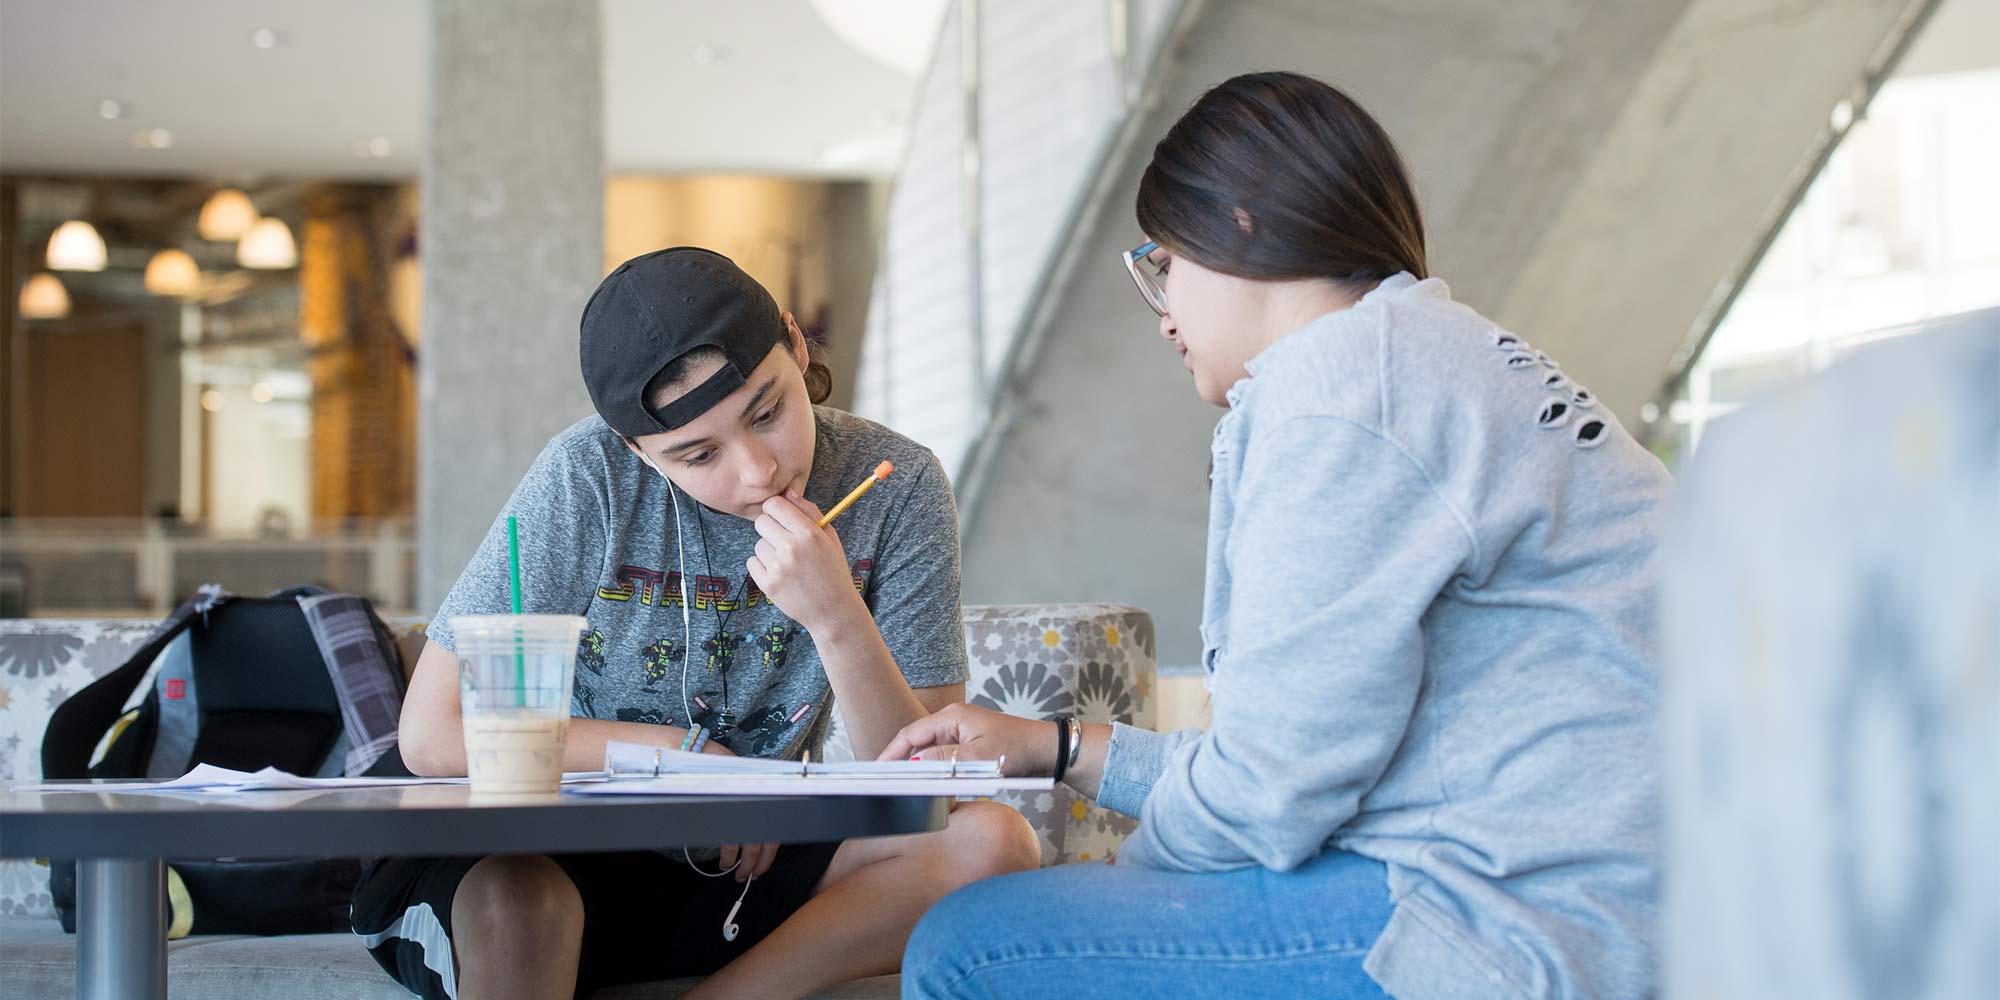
(421, 925)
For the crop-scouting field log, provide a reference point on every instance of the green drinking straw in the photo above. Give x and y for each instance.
(514, 591)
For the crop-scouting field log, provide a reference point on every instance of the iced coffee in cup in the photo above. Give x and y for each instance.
(514, 679)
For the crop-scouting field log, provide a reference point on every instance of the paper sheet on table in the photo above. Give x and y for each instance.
(623, 760)
(636, 769)
(209, 779)
(811, 784)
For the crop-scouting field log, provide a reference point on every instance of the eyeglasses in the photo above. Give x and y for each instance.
(1151, 277)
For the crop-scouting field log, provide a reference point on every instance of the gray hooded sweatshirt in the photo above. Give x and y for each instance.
(1428, 636)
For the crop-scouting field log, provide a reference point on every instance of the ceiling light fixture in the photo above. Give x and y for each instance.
(227, 215)
(268, 246)
(76, 247)
(899, 34)
(44, 297)
(172, 272)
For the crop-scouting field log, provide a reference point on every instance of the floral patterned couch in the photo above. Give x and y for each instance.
(1095, 661)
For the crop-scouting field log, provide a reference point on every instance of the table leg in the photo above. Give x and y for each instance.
(121, 924)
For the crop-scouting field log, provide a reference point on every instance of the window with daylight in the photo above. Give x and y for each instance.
(1901, 226)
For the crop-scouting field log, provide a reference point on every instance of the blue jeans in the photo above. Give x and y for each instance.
(1097, 930)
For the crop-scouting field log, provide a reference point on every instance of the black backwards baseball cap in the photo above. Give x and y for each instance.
(659, 306)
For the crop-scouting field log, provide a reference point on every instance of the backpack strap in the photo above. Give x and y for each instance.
(361, 660)
(76, 725)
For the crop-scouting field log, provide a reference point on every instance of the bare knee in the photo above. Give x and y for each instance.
(512, 902)
(985, 839)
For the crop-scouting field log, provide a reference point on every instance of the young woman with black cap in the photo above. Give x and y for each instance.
(682, 520)
(1427, 628)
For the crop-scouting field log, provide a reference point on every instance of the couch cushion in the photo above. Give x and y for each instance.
(1094, 661)
(1037, 661)
(37, 962)
(42, 662)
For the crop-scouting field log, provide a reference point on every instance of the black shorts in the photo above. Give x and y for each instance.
(647, 915)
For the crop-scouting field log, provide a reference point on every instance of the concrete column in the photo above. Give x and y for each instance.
(512, 242)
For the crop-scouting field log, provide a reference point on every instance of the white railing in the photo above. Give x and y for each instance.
(109, 567)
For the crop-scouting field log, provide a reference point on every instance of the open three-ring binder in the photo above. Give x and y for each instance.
(635, 769)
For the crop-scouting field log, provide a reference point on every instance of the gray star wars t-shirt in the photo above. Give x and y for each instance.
(597, 539)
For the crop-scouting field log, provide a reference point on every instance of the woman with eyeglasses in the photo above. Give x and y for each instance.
(1427, 628)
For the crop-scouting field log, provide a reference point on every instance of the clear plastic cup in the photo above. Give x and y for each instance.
(514, 678)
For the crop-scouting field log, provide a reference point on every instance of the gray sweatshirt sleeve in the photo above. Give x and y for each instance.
(1338, 545)
(1134, 760)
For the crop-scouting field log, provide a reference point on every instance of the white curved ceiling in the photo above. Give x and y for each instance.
(747, 85)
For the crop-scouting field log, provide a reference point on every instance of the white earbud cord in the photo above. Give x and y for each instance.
(729, 926)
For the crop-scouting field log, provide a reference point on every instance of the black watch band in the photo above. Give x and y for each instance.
(1062, 747)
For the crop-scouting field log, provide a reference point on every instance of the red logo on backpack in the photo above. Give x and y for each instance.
(177, 689)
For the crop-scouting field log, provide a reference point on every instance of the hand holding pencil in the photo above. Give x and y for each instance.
(801, 566)
(881, 472)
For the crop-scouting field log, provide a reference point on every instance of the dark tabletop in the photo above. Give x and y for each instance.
(422, 820)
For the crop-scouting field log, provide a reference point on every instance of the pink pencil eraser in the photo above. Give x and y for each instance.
(882, 471)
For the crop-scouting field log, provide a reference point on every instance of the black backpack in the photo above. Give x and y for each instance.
(241, 683)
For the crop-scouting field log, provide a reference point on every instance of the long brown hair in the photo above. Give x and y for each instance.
(1323, 190)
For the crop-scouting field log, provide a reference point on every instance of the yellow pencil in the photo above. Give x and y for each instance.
(881, 472)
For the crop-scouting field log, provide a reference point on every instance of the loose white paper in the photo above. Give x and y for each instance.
(813, 784)
(212, 780)
(622, 760)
